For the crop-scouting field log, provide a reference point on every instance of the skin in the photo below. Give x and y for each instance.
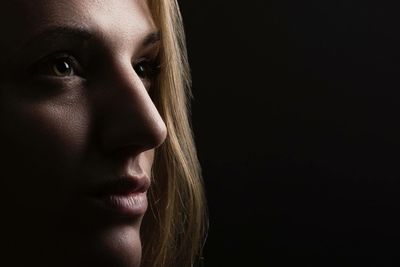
(63, 133)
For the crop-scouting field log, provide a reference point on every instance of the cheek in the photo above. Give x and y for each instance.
(146, 161)
(40, 143)
(47, 131)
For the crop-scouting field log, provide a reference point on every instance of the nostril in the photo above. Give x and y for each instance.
(160, 134)
(137, 133)
(154, 133)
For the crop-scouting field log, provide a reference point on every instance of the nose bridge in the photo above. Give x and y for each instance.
(130, 118)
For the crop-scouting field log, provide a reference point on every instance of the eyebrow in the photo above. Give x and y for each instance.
(53, 35)
(152, 38)
(60, 32)
(80, 32)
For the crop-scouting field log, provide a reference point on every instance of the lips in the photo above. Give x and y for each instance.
(122, 186)
(124, 196)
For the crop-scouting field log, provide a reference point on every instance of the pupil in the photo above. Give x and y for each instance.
(62, 67)
(141, 71)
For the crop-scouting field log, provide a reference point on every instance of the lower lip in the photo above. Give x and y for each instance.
(132, 205)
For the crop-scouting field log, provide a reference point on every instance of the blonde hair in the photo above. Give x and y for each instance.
(174, 228)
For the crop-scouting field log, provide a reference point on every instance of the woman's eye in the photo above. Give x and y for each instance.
(146, 69)
(62, 67)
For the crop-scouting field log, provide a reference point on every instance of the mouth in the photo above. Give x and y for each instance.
(125, 196)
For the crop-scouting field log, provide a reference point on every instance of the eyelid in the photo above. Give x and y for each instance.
(153, 59)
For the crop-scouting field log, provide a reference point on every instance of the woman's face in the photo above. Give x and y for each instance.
(78, 130)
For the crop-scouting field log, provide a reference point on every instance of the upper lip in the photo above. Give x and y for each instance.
(123, 185)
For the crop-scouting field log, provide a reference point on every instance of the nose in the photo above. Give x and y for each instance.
(128, 117)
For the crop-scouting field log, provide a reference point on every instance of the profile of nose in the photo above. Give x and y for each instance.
(129, 118)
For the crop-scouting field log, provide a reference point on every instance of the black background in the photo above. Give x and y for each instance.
(296, 121)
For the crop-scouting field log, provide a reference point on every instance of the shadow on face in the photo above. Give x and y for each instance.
(79, 129)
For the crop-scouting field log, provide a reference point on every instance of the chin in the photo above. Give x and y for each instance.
(117, 247)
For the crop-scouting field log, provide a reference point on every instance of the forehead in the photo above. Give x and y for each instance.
(119, 21)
